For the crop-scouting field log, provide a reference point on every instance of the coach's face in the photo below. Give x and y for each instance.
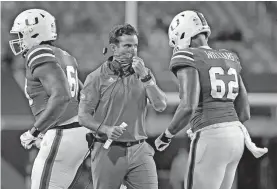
(127, 46)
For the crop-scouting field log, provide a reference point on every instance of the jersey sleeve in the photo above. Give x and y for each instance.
(90, 94)
(181, 59)
(39, 56)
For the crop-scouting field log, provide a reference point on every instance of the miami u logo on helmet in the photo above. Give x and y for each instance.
(34, 23)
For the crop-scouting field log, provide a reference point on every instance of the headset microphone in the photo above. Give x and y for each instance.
(105, 50)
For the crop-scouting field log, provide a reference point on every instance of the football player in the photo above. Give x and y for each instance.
(52, 88)
(213, 99)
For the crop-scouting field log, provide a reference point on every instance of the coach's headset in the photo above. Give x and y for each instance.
(120, 71)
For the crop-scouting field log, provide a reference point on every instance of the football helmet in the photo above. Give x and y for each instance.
(32, 27)
(184, 26)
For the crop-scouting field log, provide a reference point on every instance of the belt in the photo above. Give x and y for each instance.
(123, 144)
(68, 126)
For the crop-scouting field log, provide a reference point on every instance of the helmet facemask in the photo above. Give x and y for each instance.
(16, 44)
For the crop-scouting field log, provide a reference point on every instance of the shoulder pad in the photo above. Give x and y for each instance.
(39, 55)
(182, 58)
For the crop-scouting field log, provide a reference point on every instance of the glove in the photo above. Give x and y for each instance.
(190, 134)
(123, 186)
(27, 140)
(163, 141)
(38, 141)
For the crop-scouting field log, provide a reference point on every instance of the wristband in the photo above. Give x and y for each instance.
(146, 78)
(34, 131)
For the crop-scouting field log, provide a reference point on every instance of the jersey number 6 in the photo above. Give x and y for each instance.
(72, 77)
(218, 88)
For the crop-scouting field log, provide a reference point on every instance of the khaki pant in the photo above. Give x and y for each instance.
(214, 156)
(134, 166)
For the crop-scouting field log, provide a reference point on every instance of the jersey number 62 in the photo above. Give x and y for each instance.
(218, 86)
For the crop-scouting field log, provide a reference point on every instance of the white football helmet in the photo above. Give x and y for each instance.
(32, 27)
(184, 26)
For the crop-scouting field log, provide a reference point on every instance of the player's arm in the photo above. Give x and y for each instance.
(155, 95)
(55, 83)
(189, 92)
(241, 103)
(183, 66)
(43, 66)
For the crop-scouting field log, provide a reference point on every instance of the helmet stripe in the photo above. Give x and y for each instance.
(202, 18)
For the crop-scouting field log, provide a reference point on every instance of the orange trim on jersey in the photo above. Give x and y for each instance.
(40, 56)
(37, 49)
(182, 56)
(180, 51)
(192, 161)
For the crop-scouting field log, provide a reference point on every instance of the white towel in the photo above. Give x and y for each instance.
(256, 151)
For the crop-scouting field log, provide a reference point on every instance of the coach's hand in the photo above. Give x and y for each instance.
(114, 132)
(139, 67)
(27, 140)
(163, 141)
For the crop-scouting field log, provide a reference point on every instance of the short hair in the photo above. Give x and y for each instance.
(120, 30)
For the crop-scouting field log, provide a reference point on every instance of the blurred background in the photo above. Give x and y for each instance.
(247, 28)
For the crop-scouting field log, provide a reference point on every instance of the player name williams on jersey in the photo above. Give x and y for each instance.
(34, 91)
(222, 55)
(218, 74)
